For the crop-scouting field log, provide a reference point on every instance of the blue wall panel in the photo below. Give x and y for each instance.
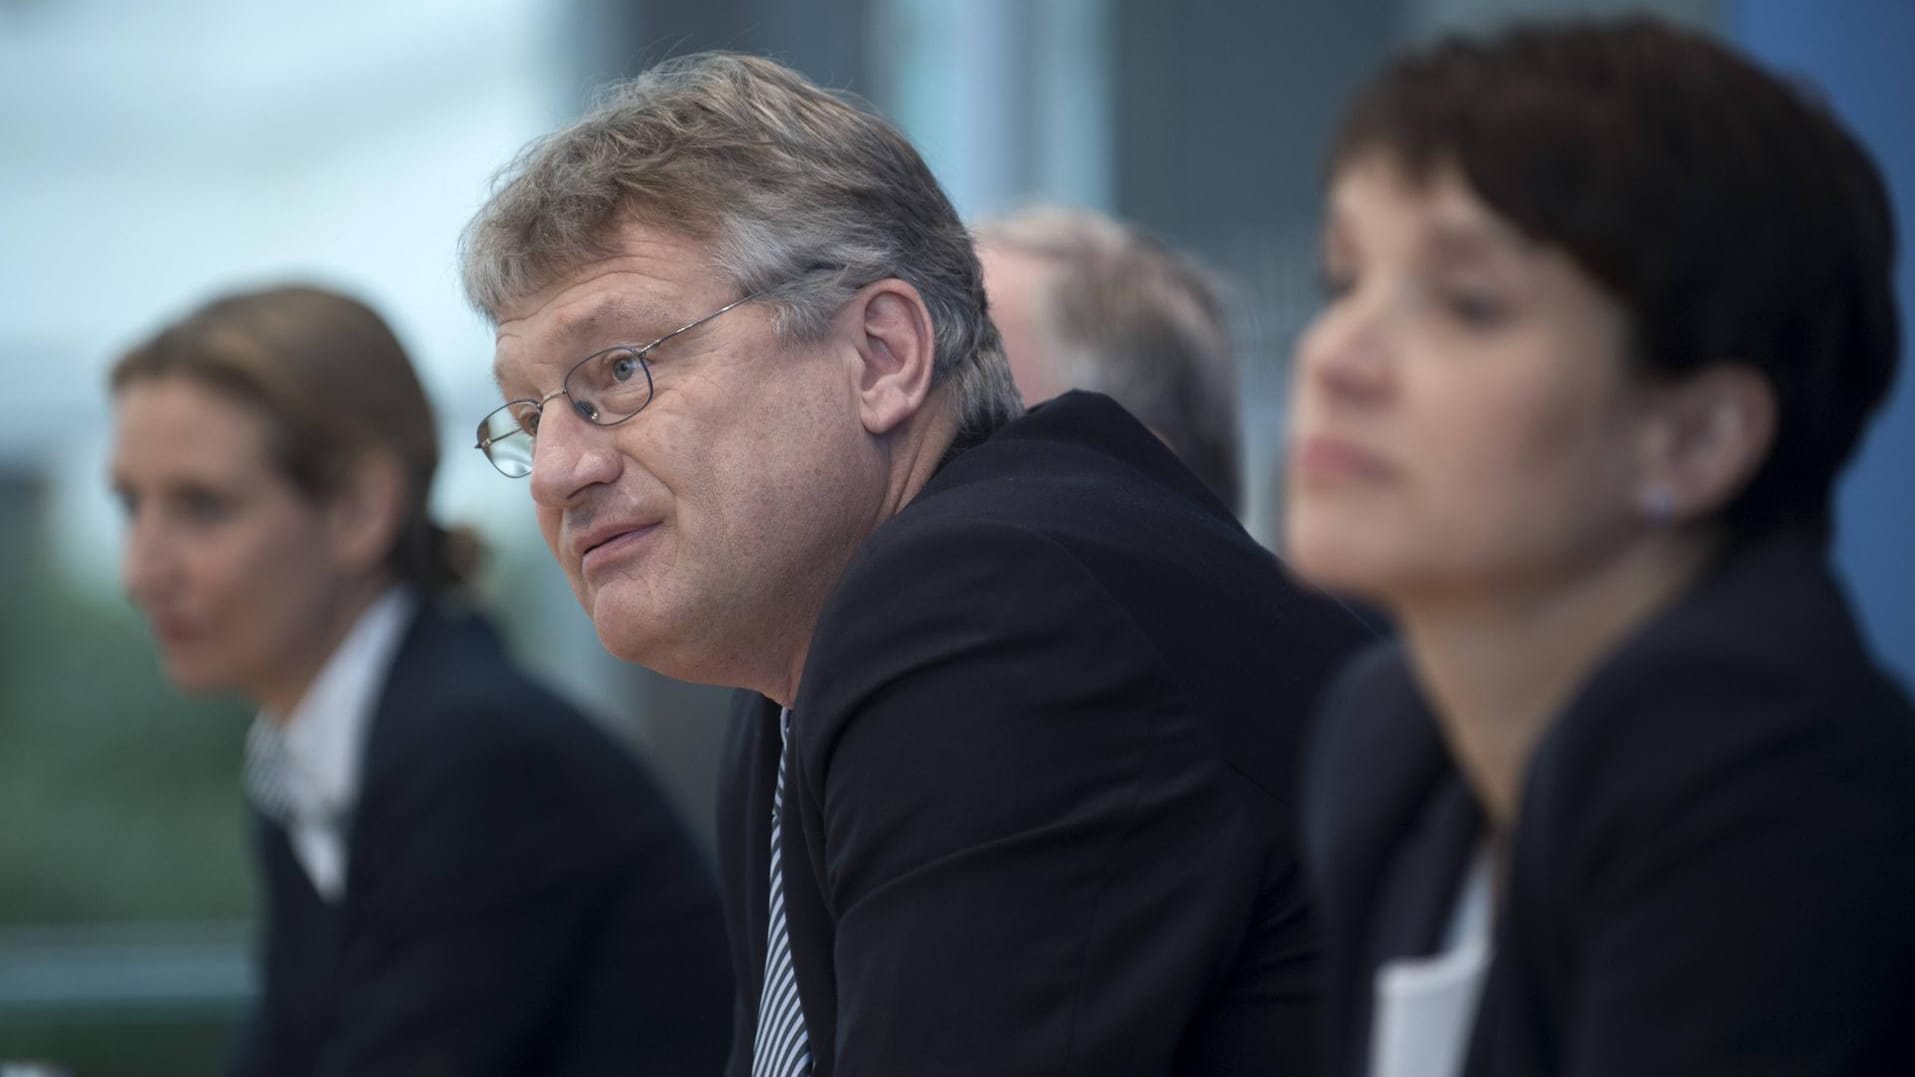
(1861, 55)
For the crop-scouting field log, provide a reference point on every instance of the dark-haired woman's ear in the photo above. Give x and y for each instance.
(366, 512)
(1709, 436)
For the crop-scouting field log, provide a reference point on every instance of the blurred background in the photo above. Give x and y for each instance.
(153, 155)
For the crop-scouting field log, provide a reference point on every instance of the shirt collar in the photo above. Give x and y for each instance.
(323, 742)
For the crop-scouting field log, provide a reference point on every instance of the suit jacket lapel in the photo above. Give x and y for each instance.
(1393, 825)
(405, 695)
(1416, 892)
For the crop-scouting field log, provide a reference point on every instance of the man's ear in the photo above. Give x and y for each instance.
(896, 350)
(1712, 432)
(366, 511)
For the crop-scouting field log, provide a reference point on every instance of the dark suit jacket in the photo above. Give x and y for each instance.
(1713, 866)
(1040, 813)
(519, 899)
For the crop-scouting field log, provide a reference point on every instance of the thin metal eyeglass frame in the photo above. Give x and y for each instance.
(639, 351)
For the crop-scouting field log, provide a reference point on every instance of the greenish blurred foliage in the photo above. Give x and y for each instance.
(111, 1044)
(119, 803)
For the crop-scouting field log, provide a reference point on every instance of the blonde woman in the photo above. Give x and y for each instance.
(460, 873)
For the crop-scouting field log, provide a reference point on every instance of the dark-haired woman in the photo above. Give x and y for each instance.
(1609, 307)
(461, 874)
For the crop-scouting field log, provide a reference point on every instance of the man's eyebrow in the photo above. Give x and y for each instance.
(590, 327)
(498, 379)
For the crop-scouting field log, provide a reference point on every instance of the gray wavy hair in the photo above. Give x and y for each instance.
(802, 196)
(1128, 316)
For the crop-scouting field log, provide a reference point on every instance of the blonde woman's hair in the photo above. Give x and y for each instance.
(332, 382)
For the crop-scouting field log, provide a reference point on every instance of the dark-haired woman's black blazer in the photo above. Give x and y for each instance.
(520, 899)
(1713, 866)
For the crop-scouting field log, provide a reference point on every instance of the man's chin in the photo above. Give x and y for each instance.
(626, 634)
(625, 650)
(633, 626)
(662, 653)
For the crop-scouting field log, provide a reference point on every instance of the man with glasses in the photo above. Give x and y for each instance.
(1007, 787)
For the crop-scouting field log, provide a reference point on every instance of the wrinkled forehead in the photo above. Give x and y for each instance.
(632, 298)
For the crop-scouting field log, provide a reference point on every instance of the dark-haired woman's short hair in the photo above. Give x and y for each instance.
(1730, 213)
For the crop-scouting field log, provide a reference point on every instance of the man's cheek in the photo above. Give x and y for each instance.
(549, 529)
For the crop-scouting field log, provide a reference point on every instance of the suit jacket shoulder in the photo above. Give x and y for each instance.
(1754, 676)
(1711, 839)
(1722, 826)
(470, 757)
(1054, 705)
(1082, 495)
(519, 898)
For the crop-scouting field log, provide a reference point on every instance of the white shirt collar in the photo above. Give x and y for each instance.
(325, 739)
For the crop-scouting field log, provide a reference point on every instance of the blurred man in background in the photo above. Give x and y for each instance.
(1087, 302)
(1008, 790)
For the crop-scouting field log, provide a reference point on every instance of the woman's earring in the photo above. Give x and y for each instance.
(1659, 504)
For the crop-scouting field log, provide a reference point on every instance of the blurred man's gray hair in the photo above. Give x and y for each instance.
(1117, 312)
(800, 195)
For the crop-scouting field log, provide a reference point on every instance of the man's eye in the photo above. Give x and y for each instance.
(524, 416)
(624, 366)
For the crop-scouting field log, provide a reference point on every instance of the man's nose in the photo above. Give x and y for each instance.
(570, 454)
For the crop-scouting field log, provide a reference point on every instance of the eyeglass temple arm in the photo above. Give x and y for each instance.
(538, 405)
